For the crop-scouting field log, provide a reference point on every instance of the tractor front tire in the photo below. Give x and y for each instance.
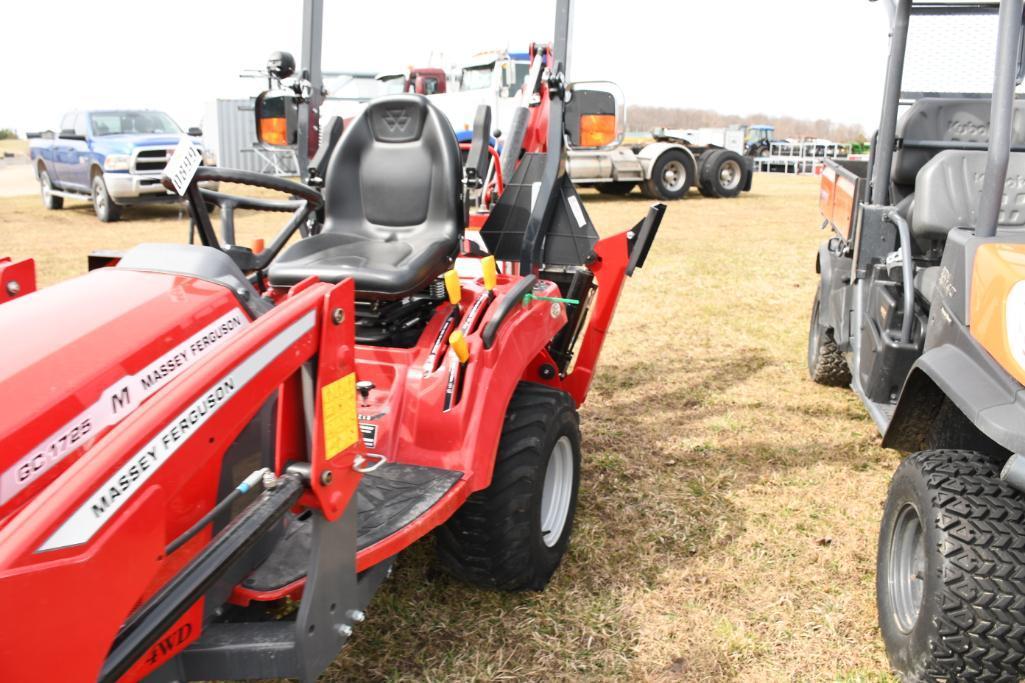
(826, 365)
(106, 210)
(949, 587)
(512, 535)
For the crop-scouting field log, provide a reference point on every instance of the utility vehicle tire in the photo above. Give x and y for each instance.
(50, 200)
(672, 174)
(721, 174)
(616, 188)
(826, 364)
(949, 587)
(512, 535)
(106, 210)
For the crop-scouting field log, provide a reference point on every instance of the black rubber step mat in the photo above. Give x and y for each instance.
(388, 499)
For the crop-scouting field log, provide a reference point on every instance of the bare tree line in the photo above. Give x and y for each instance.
(642, 118)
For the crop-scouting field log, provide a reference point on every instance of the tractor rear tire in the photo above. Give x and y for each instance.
(672, 174)
(512, 535)
(616, 187)
(106, 210)
(950, 592)
(826, 364)
(721, 174)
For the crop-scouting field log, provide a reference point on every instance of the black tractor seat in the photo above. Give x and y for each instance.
(392, 204)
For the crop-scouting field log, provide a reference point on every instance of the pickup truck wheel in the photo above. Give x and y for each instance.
(50, 200)
(671, 175)
(106, 210)
(512, 535)
(615, 188)
(722, 174)
(949, 585)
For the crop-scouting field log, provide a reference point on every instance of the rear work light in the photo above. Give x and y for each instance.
(274, 131)
(597, 130)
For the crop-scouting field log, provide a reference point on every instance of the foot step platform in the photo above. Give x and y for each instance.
(388, 499)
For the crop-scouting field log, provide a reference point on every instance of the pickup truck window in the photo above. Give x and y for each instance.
(117, 122)
(80, 125)
(68, 123)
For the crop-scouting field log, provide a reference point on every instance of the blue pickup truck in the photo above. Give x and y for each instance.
(111, 158)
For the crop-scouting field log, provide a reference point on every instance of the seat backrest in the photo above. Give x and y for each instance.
(396, 173)
(945, 119)
(948, 188)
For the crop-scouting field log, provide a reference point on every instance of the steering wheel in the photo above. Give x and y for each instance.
(307, 200)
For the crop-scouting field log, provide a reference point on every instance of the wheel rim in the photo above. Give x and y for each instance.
(47, 188)
(99, 197)
(557, 492)
(906, 580)
(674, 175)
(730, 174)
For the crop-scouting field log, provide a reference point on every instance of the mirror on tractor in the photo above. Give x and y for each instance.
(276, 118)
(594, 115)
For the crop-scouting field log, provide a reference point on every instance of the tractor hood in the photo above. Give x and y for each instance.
(81, 355)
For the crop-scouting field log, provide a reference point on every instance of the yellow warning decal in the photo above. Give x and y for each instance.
(338, 408)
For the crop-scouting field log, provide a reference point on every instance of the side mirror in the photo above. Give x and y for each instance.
(594, 115)
(195, 131)
(276, 118)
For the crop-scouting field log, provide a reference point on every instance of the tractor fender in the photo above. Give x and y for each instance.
(962, 372)
(649, 153)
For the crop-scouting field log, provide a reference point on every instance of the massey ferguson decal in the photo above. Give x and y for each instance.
(117, 401)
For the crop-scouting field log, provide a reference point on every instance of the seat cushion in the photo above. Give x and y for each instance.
(380, 268)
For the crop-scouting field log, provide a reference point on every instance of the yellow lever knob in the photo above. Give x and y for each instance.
(457, 341)
(455, 291)
(490, 271)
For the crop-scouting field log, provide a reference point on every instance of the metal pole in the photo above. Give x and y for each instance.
(540, 215)
(313, 31)
(1001, 111)
(891, 99)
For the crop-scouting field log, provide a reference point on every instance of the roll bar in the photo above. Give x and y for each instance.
(891, 100)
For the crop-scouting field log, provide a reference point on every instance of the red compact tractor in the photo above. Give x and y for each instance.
(210, 457)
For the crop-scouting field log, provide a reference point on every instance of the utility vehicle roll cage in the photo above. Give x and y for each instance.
(1009, 72)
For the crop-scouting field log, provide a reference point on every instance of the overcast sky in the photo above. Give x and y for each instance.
(804, 58)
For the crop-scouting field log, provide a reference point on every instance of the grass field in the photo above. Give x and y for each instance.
(728, 506)
(19, 147)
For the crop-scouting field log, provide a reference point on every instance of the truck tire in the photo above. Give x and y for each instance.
(722, 174)
(616, 188)
(950, 591)
(106, 210)
(826, 364)
(512, 535)
(50, 200)
(672, 174)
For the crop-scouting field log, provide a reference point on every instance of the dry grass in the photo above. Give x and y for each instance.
(728, 506)
(19, 147)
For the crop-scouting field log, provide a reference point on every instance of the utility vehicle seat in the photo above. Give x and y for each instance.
(392, 204)
(948, 188)
(944, 119)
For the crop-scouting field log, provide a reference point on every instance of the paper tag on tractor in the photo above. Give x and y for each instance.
(182, 166)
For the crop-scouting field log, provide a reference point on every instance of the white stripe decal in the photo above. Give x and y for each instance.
(115, 403)
(128, 480)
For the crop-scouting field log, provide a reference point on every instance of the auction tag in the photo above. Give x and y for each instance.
(182, 166)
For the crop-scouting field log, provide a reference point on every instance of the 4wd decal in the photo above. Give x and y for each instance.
(115, 402)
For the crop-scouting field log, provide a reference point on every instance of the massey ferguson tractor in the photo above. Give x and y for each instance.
(921, 311)
(210, 457)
